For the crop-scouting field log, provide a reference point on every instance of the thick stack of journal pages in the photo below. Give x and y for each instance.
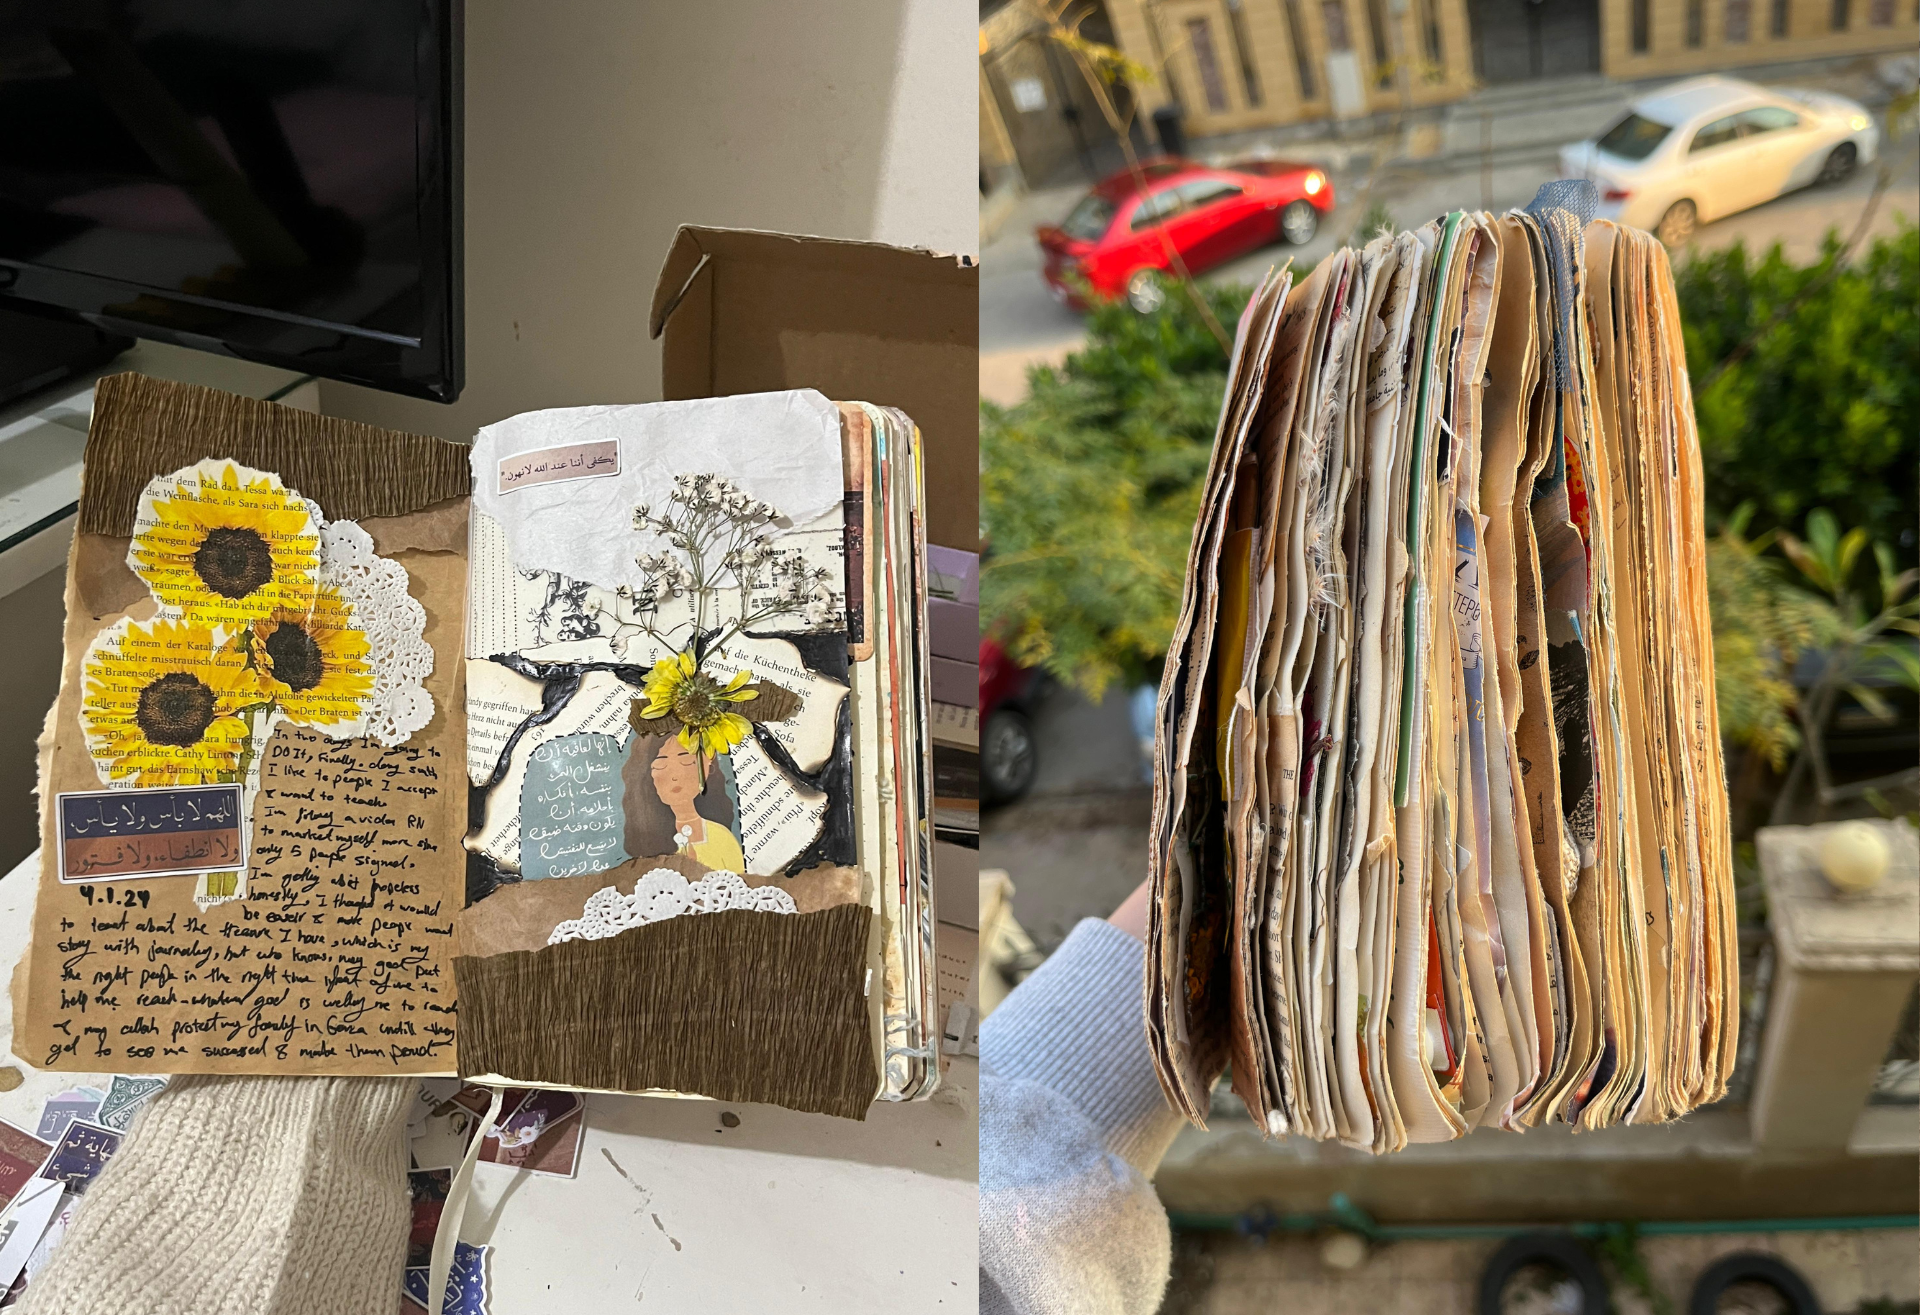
(1440, 833)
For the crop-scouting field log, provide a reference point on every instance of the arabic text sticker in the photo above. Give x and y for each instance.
(107, 835)
(552, 465)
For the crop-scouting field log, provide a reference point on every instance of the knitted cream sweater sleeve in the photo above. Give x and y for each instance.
(244, 1196)
(1072, 1124)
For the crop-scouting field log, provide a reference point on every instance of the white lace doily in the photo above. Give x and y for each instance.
(662, 894)
(395, 626)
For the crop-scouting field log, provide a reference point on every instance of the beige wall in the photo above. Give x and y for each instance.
(998, 160)
(593, 130)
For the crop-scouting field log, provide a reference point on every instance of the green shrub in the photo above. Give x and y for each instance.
(1088, 490)
(1825, 410)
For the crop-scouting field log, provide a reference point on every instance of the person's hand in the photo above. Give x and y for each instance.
(1131, 916)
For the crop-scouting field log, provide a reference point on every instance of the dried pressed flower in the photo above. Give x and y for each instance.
(676, 686)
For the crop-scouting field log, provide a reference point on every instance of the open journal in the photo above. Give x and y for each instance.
(593, 755)
(1439, 832)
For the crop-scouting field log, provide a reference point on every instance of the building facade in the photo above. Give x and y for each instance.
(1653, 38)
(1233, 66)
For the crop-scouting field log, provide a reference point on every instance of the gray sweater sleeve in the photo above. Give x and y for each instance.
(1072, 1124)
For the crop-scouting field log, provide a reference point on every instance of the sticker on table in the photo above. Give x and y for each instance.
(27, 1220)
(112, 835)
(466, 1282)
(63, 1109)
(42, 1252)
(125, 1096)
(21, 1155)
(428, 1189)
(83, 1151)
(556, 465)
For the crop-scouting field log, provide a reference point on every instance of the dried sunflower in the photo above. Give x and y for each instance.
(226, 544)
(313, 661)
(159, 704)
(677, 686)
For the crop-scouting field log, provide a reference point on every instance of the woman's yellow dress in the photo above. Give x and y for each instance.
(717, 850)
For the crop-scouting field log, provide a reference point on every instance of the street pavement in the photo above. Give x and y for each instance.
(1077, 844)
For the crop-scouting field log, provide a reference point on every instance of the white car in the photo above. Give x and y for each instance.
(1706, 148)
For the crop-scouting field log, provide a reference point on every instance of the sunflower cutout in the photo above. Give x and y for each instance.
(313, 661)
(224, 544)
(161, 704)
(677, 687)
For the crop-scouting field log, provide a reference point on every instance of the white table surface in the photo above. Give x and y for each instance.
(673, 1212)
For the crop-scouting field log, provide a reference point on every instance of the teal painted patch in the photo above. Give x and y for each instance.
(571, 821)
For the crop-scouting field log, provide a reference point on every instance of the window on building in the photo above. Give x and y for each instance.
(1333, 17)
(1377, 35)
(1842, 15)
(1880, 13)
(1302, 56)
(1640, 26)
(1739, 18)
(1436, 54)
(1200, 37)
(1696, 23)
(1777, 21)
(1243, 47)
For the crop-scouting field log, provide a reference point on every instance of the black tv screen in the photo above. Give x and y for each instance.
(273, 179)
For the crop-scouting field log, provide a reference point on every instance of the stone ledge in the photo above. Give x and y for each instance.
(1703, 1167)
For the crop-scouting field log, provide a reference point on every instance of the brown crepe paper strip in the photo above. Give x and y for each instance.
(144, 427)
(520, 915)
(734, 1005)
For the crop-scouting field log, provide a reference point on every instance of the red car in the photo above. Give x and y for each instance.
(1115, 242)
(1008, 755)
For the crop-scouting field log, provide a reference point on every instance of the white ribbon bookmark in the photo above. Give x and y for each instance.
(453, 1208)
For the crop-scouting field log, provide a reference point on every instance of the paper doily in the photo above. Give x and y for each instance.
(662, 894)
(395, 626)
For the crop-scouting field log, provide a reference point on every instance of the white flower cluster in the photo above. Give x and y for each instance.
(750, 558)
(806, 590)
(718, 539)
(713, 493)
(666, 578)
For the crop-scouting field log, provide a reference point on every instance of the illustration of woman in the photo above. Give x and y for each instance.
(677, 804)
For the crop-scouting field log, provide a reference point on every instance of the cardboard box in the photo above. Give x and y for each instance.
(750, 312)
(953, 631)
